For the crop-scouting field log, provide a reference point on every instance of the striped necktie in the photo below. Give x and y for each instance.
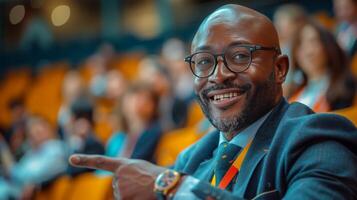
(226, 155)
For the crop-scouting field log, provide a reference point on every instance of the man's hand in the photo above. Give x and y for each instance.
(133, 179)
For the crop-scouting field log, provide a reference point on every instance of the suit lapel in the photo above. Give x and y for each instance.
(200, 163)
(259, 148)
(204, 171)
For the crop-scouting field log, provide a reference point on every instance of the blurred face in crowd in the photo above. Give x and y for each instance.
(173, 51)
(81, 128)
(310, 53)
(38, 132)
(161, 84)
(138, 105)
(18, 112)
(115, 85)
(128, 106)
(150, 74)
(247, 95)
(286, 27)
(72, 86)
(145, 105)
(288, 19)
(346, 10)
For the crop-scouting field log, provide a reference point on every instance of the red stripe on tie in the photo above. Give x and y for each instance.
(227, 178)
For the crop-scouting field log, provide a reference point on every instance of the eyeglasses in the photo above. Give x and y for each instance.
(236, 58)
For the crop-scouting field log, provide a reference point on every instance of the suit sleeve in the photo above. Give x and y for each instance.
(322, 162)
(323, 171)
(182, 160)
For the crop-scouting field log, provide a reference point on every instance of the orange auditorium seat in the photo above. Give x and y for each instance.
(58, 190)
(127, 65)
(86, 73)
(89, 186)
(172, 143)
(44, 97)
(350, 113)
(102, 127)
(195, 114)
(354, 65)
(324, 18)
(14, 85)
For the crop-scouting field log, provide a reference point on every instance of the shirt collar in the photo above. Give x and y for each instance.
(246, 135)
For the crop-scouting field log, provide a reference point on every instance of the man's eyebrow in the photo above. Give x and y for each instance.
(204, 47)
(239, 42)
(208, 48)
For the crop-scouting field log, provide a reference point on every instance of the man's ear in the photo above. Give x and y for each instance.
(281, 68)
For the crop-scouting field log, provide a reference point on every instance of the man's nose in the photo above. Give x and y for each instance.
(221, 72)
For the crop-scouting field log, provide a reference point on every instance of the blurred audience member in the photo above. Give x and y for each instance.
(16, 134)
(83, 139)
(173, 110)
(173, 52)
(72, 89)
(44, 160)
(346, 13)
(99, 65)
(116, 142)
(288, 20)
(328, 84)
(6, 161)
(116, 85)
(137, 130)
(6, 158)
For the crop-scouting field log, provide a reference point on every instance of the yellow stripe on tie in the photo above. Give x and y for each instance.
(236, 164)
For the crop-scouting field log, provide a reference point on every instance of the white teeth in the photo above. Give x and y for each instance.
(220, 97)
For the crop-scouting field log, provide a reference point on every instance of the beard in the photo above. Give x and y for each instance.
(258, 103)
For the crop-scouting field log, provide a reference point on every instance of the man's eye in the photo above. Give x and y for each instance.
(240, 57)
(204, 62)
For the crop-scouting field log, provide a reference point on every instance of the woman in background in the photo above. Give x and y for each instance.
(327, 84)
(136, 122)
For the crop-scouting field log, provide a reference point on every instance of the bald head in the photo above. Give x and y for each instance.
(246, 22)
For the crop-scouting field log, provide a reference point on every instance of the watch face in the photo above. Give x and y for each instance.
(166, 180)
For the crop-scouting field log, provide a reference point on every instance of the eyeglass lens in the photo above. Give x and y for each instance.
(237, 58)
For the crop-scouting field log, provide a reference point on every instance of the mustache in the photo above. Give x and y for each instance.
(243, 88)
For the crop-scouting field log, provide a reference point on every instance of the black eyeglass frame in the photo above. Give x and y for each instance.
(250, 47)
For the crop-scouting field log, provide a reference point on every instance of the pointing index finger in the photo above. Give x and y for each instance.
(95, 162)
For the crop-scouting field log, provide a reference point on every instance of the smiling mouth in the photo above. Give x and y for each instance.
(223, 99)
(225, 96)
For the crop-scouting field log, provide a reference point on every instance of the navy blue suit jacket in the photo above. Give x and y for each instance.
(295, 154)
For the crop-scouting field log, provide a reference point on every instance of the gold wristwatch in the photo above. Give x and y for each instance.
(166, 181)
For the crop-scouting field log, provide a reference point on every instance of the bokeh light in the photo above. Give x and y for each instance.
(17, 13)
(60, 15)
